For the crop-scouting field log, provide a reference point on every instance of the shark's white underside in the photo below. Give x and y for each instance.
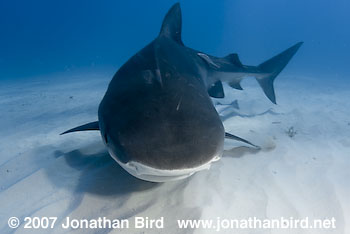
(148, 173)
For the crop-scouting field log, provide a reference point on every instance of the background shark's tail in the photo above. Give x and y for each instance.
(272, 67)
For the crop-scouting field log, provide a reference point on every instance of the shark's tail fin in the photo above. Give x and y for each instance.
(272, 67)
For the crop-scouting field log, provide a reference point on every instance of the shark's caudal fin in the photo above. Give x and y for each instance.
(85, 127)
(172, 24)
(272, 67)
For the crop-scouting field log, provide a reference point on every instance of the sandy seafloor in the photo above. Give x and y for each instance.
(307, 175)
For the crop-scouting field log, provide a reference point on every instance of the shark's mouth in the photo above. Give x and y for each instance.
(148, 173)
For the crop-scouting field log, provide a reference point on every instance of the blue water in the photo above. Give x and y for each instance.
(44, 37)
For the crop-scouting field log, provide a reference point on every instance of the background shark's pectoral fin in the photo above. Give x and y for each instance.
(236, 138)
(236, 85)
(86, 127)
(216, 90)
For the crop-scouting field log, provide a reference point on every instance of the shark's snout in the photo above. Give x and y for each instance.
(163, 138)
(175, 142)
(166, 157)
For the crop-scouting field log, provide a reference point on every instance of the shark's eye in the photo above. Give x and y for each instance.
(148, 76)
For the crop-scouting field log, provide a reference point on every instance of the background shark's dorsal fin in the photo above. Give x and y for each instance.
(234, 59)
(172, 23)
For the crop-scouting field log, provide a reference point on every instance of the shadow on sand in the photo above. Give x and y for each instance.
(240, 151)
(91, 170)
(101, 175)
(233, 113)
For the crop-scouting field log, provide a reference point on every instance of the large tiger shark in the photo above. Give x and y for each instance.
(157, 118)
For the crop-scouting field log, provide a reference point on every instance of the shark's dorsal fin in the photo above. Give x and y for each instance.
(172, 24)
(234, 59)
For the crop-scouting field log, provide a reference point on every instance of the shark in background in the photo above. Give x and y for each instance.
(157, 118)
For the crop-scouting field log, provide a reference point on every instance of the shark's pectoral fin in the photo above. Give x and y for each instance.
(236, 138)
(216, 90)
(86, 127)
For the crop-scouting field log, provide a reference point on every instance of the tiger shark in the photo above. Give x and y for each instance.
(157, 118)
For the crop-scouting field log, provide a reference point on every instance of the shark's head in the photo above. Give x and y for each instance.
(157, 118)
